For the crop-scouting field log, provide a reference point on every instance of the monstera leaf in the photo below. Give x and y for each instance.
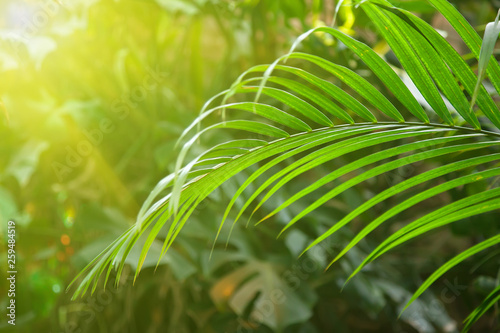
(276, 304)
(305, 113)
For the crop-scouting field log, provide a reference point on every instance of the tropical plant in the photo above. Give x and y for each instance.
(318, 115)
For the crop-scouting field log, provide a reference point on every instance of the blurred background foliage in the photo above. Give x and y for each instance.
(94, 94)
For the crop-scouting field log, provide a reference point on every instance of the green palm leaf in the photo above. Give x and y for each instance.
(286, 109)
(489, 301)
(453, 262)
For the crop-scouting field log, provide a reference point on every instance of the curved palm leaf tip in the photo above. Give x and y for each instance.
(303, 132)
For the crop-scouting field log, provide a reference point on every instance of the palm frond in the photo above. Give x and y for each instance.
(286, 111)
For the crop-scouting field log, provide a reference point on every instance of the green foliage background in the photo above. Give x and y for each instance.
(93, 96)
